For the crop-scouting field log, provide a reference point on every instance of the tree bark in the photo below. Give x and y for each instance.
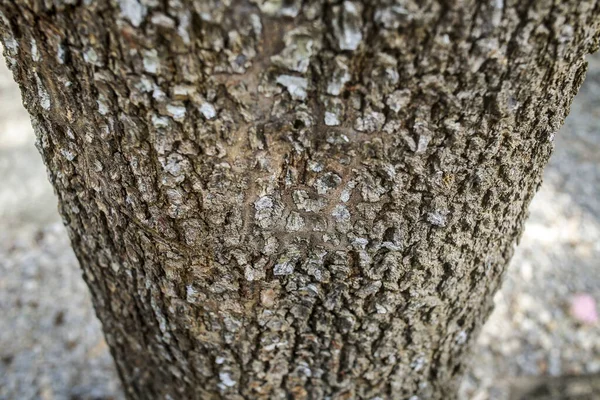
(295, 199)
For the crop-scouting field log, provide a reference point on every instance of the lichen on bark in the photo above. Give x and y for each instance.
(274, 199)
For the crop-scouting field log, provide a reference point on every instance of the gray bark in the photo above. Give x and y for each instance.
(295, 199)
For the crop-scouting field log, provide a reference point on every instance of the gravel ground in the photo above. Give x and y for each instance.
(534, 346)
(51, 344)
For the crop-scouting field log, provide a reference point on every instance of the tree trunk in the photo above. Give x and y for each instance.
(310, 199)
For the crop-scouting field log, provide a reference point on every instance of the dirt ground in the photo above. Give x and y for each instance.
(534, 346)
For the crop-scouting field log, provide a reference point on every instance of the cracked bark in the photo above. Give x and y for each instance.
(295, 199)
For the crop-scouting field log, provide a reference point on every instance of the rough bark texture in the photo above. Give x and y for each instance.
(295, 199)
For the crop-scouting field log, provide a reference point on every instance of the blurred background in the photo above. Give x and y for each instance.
(541, 342)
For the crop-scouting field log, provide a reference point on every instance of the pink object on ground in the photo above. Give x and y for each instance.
(583, 308)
